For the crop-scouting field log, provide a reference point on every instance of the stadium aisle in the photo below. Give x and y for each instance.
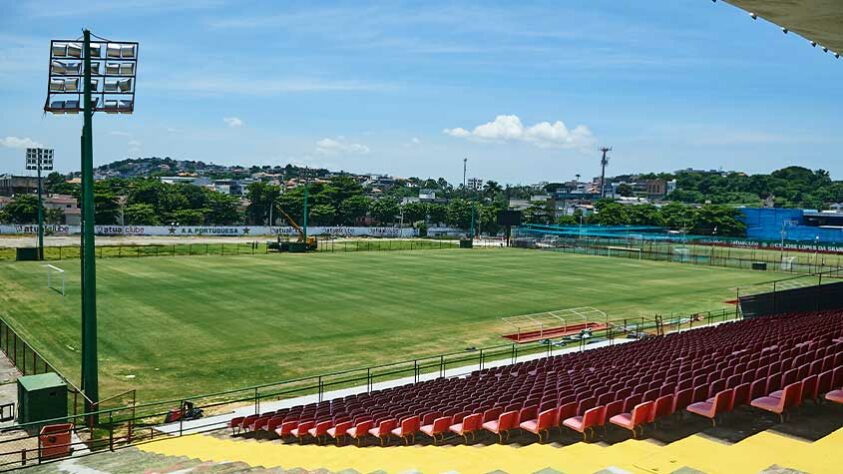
(754, 454)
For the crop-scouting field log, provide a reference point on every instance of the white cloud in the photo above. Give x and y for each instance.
(415, 140)
(134, 143)
(330, 146)
(233, 122)
(509, 128)
(19, 143)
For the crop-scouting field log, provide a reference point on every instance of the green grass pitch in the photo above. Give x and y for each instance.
(172, 326)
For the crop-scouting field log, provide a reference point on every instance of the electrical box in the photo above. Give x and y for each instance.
(26, 254)
(41, 397)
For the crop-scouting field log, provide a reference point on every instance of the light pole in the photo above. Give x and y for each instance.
(304, 219)
(40, 159)
(73, 86)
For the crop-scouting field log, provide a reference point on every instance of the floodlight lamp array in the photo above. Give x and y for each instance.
(39, 158)
(113, 74)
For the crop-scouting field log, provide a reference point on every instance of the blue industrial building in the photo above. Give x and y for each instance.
(795, 225)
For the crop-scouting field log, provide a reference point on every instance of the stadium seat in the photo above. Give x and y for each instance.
(712, 408)
(663, 407)
(835, 396)
(407, 429)
(340, 431)
(506, 422)
(469, 426)
(587, 422)
(439, 427)
(320, 430)
(360, 430)
(635, 420)
(383, 430)
(542, 425)
(790, 398)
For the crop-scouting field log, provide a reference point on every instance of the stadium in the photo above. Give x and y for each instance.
(549, 348)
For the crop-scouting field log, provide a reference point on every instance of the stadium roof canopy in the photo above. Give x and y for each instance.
(820, 21)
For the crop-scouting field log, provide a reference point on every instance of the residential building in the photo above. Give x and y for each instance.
(11, 185)
(68, 205)
(475, 184)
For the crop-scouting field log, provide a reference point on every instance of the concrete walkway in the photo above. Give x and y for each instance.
(221, 421)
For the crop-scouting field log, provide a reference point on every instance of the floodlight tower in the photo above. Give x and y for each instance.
(73, 86)
(603, 163)
(40, 159)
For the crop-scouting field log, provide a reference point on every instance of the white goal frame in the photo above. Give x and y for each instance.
(623, 249)
(787, 263)
(50, 270)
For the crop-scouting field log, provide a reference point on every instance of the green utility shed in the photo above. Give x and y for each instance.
(41, 397)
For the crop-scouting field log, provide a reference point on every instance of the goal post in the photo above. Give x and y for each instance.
(55, 279)
(623, 251)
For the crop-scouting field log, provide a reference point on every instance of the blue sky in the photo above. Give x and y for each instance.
(527, 91)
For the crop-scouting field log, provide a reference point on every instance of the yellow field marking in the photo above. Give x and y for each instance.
(751, 455)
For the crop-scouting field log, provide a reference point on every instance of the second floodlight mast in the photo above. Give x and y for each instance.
(117, 96)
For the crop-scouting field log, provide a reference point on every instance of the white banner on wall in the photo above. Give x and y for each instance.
(239, 231)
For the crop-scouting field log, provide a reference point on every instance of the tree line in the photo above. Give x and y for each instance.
(342, 200)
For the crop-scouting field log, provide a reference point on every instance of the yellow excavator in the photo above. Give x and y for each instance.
(285, 246)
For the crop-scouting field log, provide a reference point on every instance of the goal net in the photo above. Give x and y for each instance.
(629, 252)
(787, 263)
(55, 279)
(681, 254)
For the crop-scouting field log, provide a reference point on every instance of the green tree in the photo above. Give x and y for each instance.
(625, 190)
(384, 210)
(53, 181)
(353, 209)
(22, 210)
(321, 214)
(719, 220)
(188, 216)
(458, 213)
(261, 197)
(608, 212)
(415, 211)
(54, 216)
(677, 216)
(437, 213)
(140, 214)
(221, 209)
(106, 205)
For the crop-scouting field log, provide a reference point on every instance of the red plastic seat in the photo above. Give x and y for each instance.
(586, 423)
(790, 397)
(235, 423)
(286, 428)
(713, 407)
(835, 396)
(469, 426)
(663, 407)
(359, 431)
(682, 399)
(635, 420)
(506, 421)
(408, 429)
(302, 430)
(340, 431)
(740, 396)
(320, 430)
(383, 430)
(439, 428)
(541, 425)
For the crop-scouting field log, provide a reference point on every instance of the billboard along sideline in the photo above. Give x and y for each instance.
(234, 231)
